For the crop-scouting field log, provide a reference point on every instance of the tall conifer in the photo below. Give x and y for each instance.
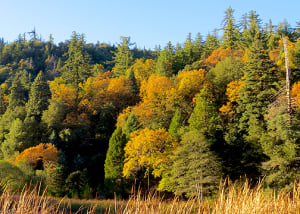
(114, 161)
(260, 82)
(39, 97)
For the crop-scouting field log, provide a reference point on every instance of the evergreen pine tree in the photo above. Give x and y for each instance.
(57, 182)
(123, 58)
(131, 125)
(3, 105)
(39, 97)
(197, 48)
(175, 125)
(17, 94)
(188, 51)
(259, 84)
(249, 35)
(211, 43)
(114, 162)
(270, 36)
(133, 83)
(165, 61)
(15, 141)
(195, 170)
(178, 60)
(76, 67)
(280, 143)
(204, 116)
(231, 35)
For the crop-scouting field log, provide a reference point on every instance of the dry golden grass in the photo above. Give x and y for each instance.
(245, 200)
(27, 201)
(231, 199)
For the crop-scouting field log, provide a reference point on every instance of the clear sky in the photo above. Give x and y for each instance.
(147, 22)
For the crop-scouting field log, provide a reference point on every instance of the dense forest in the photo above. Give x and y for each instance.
(91, 120)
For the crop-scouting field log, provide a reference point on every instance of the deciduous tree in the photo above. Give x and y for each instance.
(148, 149)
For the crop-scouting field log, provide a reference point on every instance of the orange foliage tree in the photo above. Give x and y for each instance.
(220, 54)
(118, 92)
(105, 89)
(42, 156)
(278, 55)
(295, 94)
(149, 149)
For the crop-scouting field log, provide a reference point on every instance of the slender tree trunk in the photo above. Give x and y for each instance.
(288, 84)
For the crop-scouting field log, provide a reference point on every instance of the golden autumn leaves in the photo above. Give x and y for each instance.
(149, 149)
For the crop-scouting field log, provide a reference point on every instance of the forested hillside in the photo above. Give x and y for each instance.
(94, 119)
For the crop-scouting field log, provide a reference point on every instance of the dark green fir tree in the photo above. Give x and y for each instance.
(39, 97)
(195, 170)
(123, 58)
(114, 162)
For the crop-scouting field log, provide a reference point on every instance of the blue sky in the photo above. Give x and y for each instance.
(148, 23)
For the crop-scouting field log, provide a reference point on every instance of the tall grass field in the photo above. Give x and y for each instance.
(231, 198)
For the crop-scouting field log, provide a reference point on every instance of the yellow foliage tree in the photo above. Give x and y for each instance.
(189, 83)
(232, 93)
(63, 92)
(154, 94)
(143, 69)
(278, 55)
(149, 149)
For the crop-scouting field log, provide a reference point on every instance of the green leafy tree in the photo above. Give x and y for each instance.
(123, 58)
(11, 176)
(195, 170)
(8, 118)
(222, 74)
